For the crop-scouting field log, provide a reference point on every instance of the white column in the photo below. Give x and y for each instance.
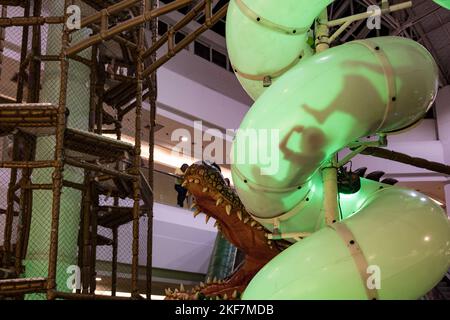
(443, 124)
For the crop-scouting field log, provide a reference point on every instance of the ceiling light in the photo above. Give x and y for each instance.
(98, 279)
(184, 139)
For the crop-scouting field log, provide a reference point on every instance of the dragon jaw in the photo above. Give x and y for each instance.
(213, 197)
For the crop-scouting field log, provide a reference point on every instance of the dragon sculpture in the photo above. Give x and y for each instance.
(217, 200)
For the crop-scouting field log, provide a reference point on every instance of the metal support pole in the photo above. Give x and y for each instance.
(322, 32)
(329, 172)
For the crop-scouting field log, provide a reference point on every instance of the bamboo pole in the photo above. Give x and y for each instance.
(137, 156)
(86, 226)
(3, 13)
(27, 164)
(112, 9)
(59, 154)
(19, 242)
(94, 230)
(129, 24)
(35, 66)
(114, 261)
(94, 167)
(100, 90)
(151, 142)
(73, 185)
(199, 7)
(406, 159)
(23, 55)
(80, 245)
(92, 86)
(30, 21)
(117, 38)
(180, 46)
(187, 40)
(10, 207)
(81, 296)
(118, 128)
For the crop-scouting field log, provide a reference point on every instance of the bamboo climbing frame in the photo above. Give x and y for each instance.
(34, 119)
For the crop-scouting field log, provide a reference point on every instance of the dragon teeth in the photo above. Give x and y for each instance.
(215, 280)
(193, 205)
(225, 297)
(228, 209)
(235, 294)
(202, 285)
(219, 201)
(216, 224)
(253, 223)
(207, 218)
(184, 184)
(197, 212)
(181, 287)
(197, 296)
(246, 219)
(196, 181)
(239, 214)
(205, 189)
(208, 281)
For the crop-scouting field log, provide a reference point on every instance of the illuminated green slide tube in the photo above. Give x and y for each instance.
(401, 233)
(268, 38)
(444, 3)
(322, 104)
(297, 123)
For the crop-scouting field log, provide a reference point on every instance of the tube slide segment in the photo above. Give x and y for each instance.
(307, 114)
(268, 38)
(399, 235)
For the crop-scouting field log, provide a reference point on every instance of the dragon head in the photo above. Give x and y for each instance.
(216, 199)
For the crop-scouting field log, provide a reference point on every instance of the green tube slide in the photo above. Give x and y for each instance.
(443, 3)
(304, 113)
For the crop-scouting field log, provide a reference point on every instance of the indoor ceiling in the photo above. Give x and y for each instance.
(426, 22)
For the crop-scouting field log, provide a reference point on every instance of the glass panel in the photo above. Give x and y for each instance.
(202, 51)
(219, 59)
